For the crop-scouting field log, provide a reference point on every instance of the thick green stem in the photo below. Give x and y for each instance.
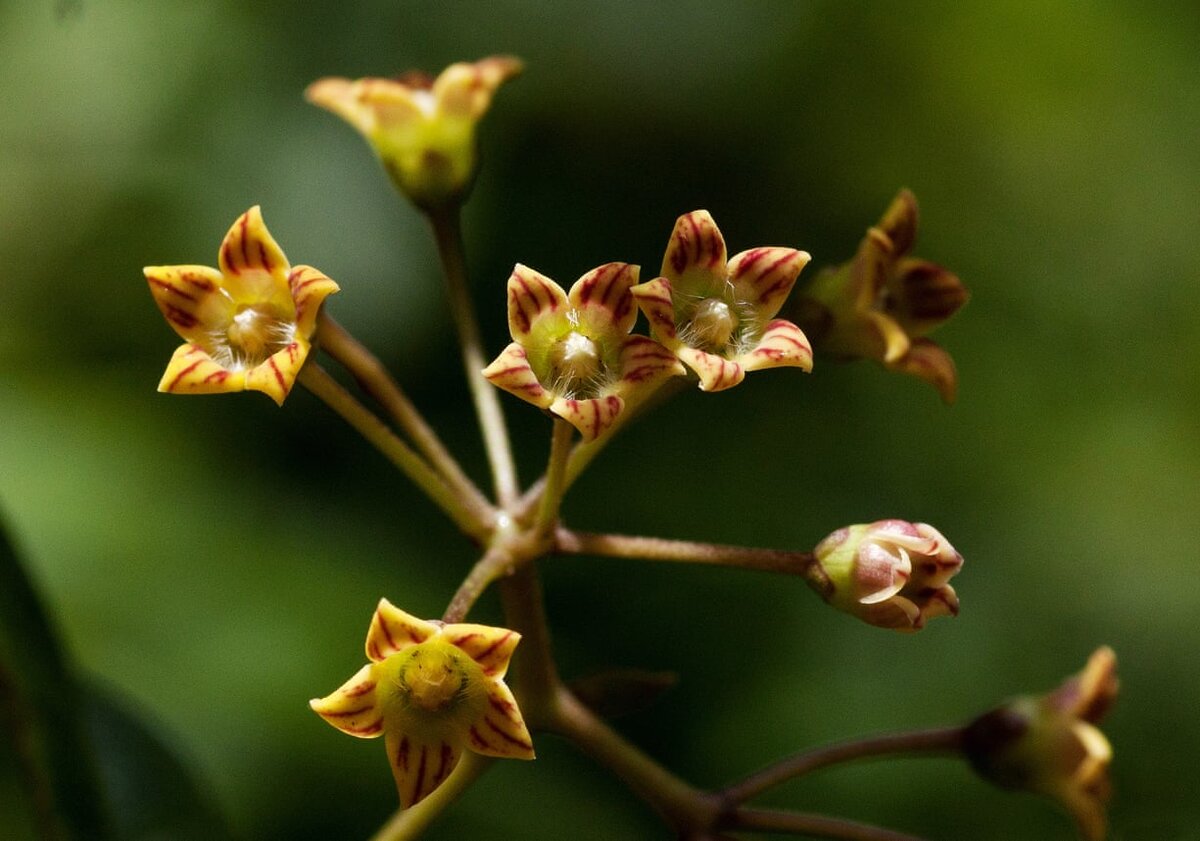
(448, 232)
(940, 740)
(815, 826)
(377, 382)
(408, 824)
(682, 551)
(552, 494)
(475, 523)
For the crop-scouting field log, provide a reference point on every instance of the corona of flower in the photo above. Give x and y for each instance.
(890, 573)
(422, 129)
(432, 691)
(245, 326)
(718, 316)
(1050, 744)
(882, 304)
(571, 354)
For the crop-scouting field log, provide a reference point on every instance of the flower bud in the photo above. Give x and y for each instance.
(1050, 744)
(891, 573)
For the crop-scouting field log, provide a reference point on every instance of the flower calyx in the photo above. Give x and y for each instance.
(432, 691)
(572, 354)
(718, 315)
(247, 325)
(890, 573)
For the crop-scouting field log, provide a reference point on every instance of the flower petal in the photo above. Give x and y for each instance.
(715, 372)
(276, 376)
(696, 245)
(645, 362)
(783, 344)
(899, 222)
(929, 362)
(466, 89)
(353, 707)
(924, 295)
(394, 630)
(419, 766)
(531, 297)
(511, 372)
(763, 277)
(254, 266)
(602, 299)
(654, 298)
(342, 97)
(309, 287)
(192, 371)
(591, 417)
(501, 731)
(490, 647)
(191, 299)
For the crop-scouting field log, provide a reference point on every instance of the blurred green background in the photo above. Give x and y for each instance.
(216, 560)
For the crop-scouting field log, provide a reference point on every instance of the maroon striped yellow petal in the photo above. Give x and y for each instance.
(394, 630)
(466, 89)
(696, 244)
(191, 299)
(309, 288)
(419, 765)
(591, 416)
(501, 730)
(192, 371)
(276, 376)
(923, 295)
(783, 344)
(353, 707)
(763, 277)
(716, 373)
(654, 299)
(255, 269)
(511, 372)
(931, 363)
(490, 647)
(531, 298)
(644, 363)
(602, 300)
(871, 268)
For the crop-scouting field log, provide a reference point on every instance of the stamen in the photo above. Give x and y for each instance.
(575, 362)
(712, 324)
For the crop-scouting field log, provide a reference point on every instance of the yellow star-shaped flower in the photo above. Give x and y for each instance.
(422, 129)
(431, 690)
(247, 325)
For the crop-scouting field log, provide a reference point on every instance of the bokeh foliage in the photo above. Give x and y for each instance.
(216, 560)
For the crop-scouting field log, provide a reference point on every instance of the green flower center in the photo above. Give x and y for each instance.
(575, 363)
(711, 325)
(432, 678)
(256, 332)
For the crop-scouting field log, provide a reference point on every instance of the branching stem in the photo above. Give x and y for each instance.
(681, 551)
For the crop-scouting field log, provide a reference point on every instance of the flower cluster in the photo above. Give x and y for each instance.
(571, 353)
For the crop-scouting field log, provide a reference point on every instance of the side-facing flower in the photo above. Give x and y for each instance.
(245, 326)
(890, 573)
(432, 690)
(422, 129)
(718, 316)
(883, 303)
(572, 353)
(1049, 744)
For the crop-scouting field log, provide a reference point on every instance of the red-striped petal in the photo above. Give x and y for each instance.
(394, 630)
